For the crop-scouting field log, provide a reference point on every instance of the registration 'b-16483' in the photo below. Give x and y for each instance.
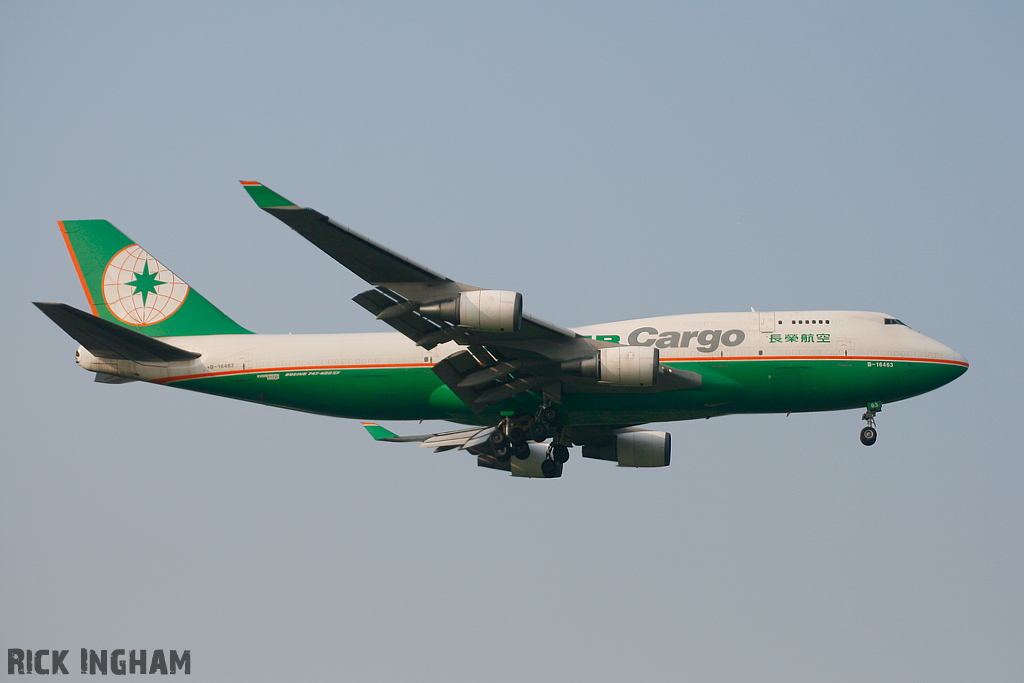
(524, 391)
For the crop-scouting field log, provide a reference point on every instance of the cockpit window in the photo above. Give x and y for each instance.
(894, 321)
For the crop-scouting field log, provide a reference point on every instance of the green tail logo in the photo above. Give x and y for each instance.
(125, 285)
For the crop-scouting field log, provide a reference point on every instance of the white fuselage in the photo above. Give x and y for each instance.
(697, 336)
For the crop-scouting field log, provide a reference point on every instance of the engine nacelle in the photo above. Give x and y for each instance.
(625, 366)
(638, 448)
(534, 466)
(492, 310)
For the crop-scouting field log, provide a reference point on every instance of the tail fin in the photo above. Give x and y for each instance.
(127, 286)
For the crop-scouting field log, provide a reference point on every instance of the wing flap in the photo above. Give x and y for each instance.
(401, 314)
(462, 439)
(452, 370)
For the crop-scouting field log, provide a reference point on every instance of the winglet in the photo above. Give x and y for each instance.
(263, 196)
(377, 432)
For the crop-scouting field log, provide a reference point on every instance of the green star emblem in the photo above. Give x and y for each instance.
(145, 283)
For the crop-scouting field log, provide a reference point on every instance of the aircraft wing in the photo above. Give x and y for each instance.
(473, 439)
(401, 285)
(507, 352)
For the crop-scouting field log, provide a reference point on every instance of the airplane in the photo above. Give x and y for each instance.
(523, 390)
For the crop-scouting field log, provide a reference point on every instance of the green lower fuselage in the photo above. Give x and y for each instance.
(771, 385)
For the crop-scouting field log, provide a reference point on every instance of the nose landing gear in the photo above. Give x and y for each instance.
(869, 434)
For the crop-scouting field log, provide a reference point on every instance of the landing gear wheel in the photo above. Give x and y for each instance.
(538, 432)
(548, 415)
(521, 449)
(560, 453)
(549, 468)
(503, 452)
(868, 435)
(496, 438)
(517, 435)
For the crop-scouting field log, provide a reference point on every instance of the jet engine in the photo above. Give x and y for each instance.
(483, 309)
(535, 465)
(625, 366)
(634, 448)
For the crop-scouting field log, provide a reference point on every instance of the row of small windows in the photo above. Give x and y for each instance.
(809, 322)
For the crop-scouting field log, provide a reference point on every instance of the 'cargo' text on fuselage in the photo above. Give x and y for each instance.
(708, 341)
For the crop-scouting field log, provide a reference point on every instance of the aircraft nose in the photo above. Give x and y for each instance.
(959, 362)
(949, 370)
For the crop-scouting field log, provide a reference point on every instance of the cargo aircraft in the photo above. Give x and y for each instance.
(524, 390)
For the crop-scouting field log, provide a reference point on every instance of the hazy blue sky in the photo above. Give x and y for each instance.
(608, 161)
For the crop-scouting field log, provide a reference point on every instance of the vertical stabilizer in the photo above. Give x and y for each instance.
(127, 286)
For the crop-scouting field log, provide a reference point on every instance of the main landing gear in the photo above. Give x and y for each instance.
(869, 434)
(508, 441)
(512, 437)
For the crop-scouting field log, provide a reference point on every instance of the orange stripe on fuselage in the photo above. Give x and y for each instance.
(74, 259)
(300, 368)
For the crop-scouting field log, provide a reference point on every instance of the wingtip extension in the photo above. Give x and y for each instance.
(377, 432)
(264, 197)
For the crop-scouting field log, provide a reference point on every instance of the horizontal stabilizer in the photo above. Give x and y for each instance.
(107, 378)
(109, 340)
